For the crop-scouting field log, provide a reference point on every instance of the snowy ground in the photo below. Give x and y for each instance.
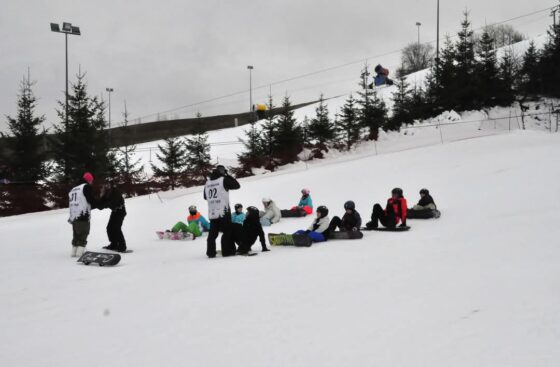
(479, 287)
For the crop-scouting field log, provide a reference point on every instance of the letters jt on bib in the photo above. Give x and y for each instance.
(217, 197)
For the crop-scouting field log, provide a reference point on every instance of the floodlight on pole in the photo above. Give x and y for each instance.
(250, 68)
(67, 29)
(418, 24)
(109, 90)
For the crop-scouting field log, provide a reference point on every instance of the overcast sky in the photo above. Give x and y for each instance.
(159, 55)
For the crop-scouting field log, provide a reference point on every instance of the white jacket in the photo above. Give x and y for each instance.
(272, 213)
(321, 224)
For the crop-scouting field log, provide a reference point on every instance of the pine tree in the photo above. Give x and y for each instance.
(466, 88)
(349, 124)
(371, 111)
(82, 144)
(269, 143)
(253, 155)
(401, 105)
(487, 79)
(549, 62)
(198, 158)
(28, 163)
(441, 86)
(508, 72)
(529, 74)
(320, 130)
(172, 156)
(130, 170)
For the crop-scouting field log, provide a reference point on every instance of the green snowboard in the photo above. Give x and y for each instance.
(282, 239)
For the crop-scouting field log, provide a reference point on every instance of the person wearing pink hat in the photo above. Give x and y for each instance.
(80, 203)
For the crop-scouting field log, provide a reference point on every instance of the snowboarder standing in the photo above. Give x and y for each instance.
(351, 220)
(216, 192)
(112, 198)
(252, 230)
(81, 202)
(395, 213)
(319, 229)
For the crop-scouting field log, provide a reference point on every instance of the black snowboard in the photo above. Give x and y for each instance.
(282, 239)
(385, 229)
(423, 214)
(102, 259)
(293, 213)
(346, 235)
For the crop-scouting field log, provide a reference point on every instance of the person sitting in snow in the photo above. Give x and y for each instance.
(351, 220)
(252, 230)
(237, 219)
(196, 223)
(271, 213)
(426, 207)
(381, 77)
(304, 207)
(319, 229)
(394, 214)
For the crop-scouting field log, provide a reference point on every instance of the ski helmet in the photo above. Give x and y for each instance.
(378, 68)
(305, 191)
(88, 177)
(238, 206)
(424, 192)
(349, 205)
(323, 210)
(193, 210)
(253, 211)
(397, 191)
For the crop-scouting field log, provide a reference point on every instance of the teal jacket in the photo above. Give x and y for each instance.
(238, 218)
(306, 201)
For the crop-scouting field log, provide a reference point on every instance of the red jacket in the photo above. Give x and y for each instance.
(399, 207)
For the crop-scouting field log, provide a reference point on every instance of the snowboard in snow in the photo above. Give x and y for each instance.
(293, 213)
(423, 214)
(102, 259)
(174, 236)
(346, 235)
(282, 239)
(384, 229)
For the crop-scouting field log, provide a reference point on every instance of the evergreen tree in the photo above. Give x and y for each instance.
(550, 60)
(349, 124)
(441, 86)
(320, 130)
(289, 135)
(508, 72)
(198, 157)
(371, 111)
(465, 84)
(488, 82)
(402, 105)
(529, 74)
(28, 162)
(253, 155)
(269, 144)
(172, 156)
(130, 170)
(82, 143)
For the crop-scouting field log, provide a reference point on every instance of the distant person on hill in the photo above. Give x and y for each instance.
(252, 230)
(261, 111)
(216, 193)
(426, 207)
(271, 213)
(381, 77)
(196, 223)
(395, 212)
(318, 231)
(351, 220)
(112, 198)
(81, 202)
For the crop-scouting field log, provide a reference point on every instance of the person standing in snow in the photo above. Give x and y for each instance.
(81, 202)
(394, 214)
(319, 229)
(112, 198)
(271, 213)
(351, 220)
(252, 230)
(216, 193)
(237, 219)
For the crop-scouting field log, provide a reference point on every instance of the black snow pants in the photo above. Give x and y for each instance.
(223, 225)
(378, 215)
(114, 230)
(237, 234)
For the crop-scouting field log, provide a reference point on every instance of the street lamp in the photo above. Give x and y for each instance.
(250, 68)
(109, 90)
(418, 24)
(67, 28)
(437, 36)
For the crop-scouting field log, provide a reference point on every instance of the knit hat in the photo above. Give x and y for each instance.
(88, 177)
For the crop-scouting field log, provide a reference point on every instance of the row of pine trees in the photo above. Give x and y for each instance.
(466, 77)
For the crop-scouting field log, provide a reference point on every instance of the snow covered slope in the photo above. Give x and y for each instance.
(479, 287)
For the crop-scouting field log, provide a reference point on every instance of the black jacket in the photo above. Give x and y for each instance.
(426, 200)
(230, 183)
(114, 200)
(351, 221)
(252, 229)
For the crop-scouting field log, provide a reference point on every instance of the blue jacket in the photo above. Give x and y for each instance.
(306, 201)
(200, 220)
(238, 218)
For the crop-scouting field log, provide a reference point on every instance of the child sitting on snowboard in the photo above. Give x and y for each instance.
(319, 229)
(196, 223)
(252, 230)
(351, 220)
(426, 201)
(305, 203)
(237, 220)
(394, 214)
(271, 213)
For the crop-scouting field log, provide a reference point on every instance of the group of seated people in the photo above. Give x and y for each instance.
(247, 226)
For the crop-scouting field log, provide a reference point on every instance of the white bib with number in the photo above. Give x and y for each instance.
(217, 197)
(78, 203)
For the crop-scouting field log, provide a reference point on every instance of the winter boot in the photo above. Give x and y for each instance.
(265, 249)
(74, 249)
(80, 251)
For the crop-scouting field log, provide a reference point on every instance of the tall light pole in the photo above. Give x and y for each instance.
(437, 36)
(109, 90)
(418, 24)
(250, 68)
(67, 28)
